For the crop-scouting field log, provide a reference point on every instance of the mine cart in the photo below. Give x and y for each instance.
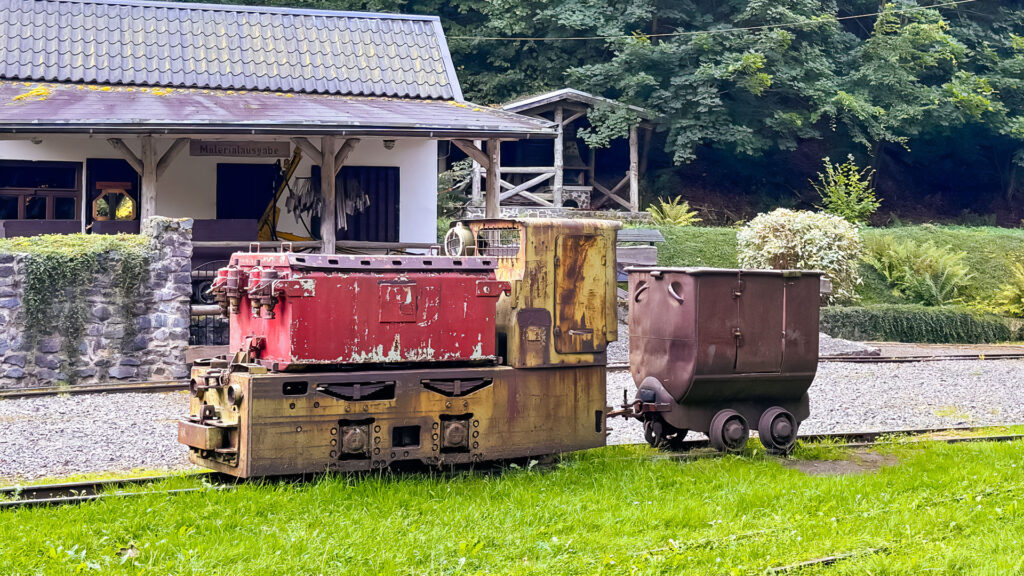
(721, 352)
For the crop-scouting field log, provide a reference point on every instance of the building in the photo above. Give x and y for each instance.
(245, 119)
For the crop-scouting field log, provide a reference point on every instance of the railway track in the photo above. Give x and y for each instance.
(80, 492)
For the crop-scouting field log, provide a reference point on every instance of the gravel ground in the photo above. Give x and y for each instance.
(63, 435)
(60, 436)
(863, 397)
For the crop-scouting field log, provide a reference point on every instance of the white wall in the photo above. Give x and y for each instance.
(189, 187)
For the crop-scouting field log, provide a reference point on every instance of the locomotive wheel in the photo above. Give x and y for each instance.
(661, 434)
(729, 431)
(777, 429)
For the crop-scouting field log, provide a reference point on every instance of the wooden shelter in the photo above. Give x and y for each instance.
(570, 180)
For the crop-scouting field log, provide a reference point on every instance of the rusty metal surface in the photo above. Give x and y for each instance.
(703, 340)
(562, 308)
(290, 424)
(290, 311)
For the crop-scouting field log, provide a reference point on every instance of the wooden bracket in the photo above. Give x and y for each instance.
(169, 156)
(126, 153)
(343, 151)
(310, 150)
(473, 152)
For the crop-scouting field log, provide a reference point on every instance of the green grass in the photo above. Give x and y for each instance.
(944, 509)
(696, 246)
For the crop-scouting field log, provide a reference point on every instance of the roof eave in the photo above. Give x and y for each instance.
(432, 133)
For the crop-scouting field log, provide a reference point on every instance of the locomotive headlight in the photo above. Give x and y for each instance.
(459, 241)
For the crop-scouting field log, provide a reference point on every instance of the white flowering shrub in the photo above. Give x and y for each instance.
(801, 240)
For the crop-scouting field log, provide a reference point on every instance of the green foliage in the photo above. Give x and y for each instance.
(451, 188)
(675, 212)
(991, 254)
(923, 273)
(915, 323)
(443, 224)
(1010, 299)
(787, 239)
(846, 191)
(60, 268)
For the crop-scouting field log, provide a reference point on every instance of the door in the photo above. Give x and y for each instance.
(580, 286)
(374, 202)
(759, 333)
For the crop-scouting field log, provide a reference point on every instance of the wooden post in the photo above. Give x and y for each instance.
(559, 159)
(147, 197)
(328, 174)
(634, 178)
(477, 197)
(493, 205)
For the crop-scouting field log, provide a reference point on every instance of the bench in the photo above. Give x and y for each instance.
(626, 256)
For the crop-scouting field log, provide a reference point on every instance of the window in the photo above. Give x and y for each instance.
(39, 190)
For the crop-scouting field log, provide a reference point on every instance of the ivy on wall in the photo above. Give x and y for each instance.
(59, 269)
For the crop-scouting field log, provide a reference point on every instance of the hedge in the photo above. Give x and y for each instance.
(913, 323)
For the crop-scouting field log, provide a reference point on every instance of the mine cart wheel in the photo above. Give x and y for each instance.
(661, 434)
(729, 431)
(777, 429)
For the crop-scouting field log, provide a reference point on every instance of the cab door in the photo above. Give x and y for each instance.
(580, 286)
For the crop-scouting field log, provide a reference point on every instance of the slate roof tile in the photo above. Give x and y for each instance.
(137, 42)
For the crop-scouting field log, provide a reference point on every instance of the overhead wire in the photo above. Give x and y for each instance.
(809, 21)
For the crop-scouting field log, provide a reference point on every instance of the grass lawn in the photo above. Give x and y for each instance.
(937, 509)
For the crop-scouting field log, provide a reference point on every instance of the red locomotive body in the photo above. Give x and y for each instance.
(292, 311)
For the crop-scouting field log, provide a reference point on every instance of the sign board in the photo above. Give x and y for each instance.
(240, 149)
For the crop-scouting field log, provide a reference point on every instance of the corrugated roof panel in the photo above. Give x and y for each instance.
(129, 40)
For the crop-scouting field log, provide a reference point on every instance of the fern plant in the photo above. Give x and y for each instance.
(846, 191)
(1010, 299)
(675, 212)
(922, 273)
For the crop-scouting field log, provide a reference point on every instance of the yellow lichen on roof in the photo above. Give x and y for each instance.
(36, 94)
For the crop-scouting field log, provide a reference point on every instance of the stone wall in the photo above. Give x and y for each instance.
(544, 212)
(141, 340)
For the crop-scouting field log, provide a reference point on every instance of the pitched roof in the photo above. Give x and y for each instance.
(227, 47)
(543, 102)
(29, 107)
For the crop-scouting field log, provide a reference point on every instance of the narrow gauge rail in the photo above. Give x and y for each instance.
(79, 492)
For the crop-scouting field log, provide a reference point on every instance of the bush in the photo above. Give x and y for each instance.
(922, 273)
(915, 323)
(675, 212)
(788, 239)
(846, 191)
(1010, 299)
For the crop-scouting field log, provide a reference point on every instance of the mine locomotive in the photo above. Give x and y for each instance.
(495, 350)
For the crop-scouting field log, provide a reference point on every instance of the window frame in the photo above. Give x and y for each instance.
(50, 194)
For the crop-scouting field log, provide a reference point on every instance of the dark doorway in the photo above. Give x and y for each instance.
(378, 221)
(245, 190)
(110, 170)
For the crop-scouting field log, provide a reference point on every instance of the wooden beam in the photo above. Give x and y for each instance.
(526, 170)
(473, 151)
(126, 153)
(634, 170)
(477, 193)
(169, 156)
(342, 154)
(492, 201)
(328, 214)
(310, 150)
(559, 158)
(609, 194)
(522, 190)
(572, 118)
(147, 198)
